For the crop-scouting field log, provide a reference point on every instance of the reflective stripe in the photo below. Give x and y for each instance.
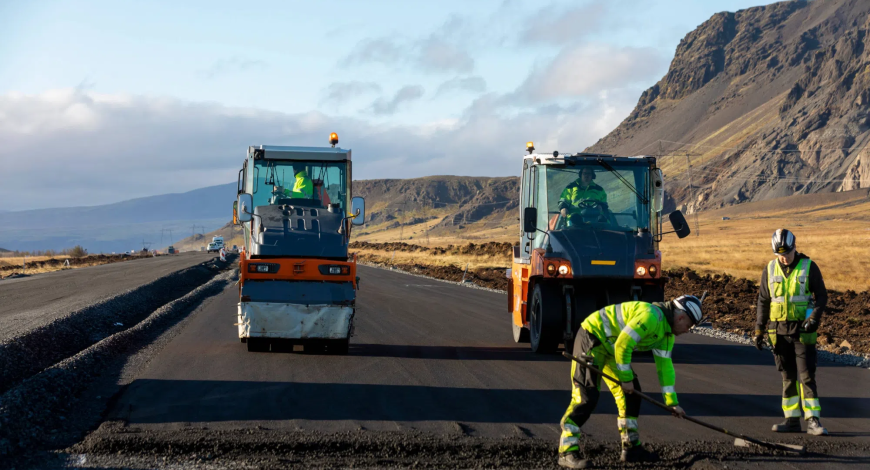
(778, 300)
(778, 278)
(658, 312)
(789, 402)
(619, 319)
(623, 367)
(796, 413)
(568, 440)
(624, 423)
(605, 323)
(662, 353)
(800, 298)
(812, 413)
(668, 389)
(811, 403)
(802, 279)
(630, 332)
(572, 428)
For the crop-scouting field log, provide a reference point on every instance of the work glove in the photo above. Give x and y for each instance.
(759, 340)
(811, 325)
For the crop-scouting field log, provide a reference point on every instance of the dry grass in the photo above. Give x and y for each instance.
(31, 269)
(835, 237)
(400, 257)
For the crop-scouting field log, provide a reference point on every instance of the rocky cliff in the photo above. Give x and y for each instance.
(765, 102)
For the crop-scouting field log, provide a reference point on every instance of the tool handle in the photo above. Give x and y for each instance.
(671, 410)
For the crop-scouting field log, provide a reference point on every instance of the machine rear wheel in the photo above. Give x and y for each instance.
(521, 333)
(257, 345)
(546, 319)
(339, 347)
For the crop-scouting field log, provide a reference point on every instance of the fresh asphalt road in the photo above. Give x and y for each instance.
(32, 301)
(437, 357)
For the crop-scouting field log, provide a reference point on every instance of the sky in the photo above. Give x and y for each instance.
(103, 101)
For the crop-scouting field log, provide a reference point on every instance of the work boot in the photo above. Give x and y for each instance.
(789, 425)
(637, 454)
(814, 427)
(571, 460)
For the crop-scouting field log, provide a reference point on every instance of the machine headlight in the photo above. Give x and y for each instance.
(563, 270)
(551, 269)
(334, 269)
(653, 270)
(641, 271)
(263, 268)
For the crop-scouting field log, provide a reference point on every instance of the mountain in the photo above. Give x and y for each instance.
(121, 226)
(767, 102)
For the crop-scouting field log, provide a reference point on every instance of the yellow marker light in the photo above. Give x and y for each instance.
(333, 139)
(599, 262)
(653, 270)
(551, 269)
(530, 147)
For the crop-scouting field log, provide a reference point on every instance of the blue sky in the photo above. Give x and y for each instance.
(113, 100)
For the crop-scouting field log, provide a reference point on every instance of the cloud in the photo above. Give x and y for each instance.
(588, 69)
(555, 24)
(443, 50)
(473, 84)
(390, 106)
(339, 93)
(231, 65)
(91, 148)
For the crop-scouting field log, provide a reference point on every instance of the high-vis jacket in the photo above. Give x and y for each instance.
(629, 326)
(789, 295)
(574, 193)
(303, 188)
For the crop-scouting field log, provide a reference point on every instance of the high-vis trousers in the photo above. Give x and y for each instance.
(585, 391)
(794, 360)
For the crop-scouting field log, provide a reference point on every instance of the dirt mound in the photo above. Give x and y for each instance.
(500, 250)
(73, 262)
(731, 301)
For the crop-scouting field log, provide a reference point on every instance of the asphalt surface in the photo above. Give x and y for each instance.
(32, 301)
(437, 358)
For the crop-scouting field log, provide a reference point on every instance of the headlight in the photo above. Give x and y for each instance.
(653, 270)
(563, 270)
(551, 269)
(263, 268)
(334, 269)
(641, 271)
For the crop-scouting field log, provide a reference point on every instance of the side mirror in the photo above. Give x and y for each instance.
(681, 227)
(245, 207)
(530, 219)
(358, 210)
(235, 212)
(658, 183)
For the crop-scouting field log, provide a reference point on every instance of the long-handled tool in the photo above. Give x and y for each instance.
(740, 440)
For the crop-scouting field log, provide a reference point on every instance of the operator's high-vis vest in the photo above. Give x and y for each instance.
(303, 188)
(575, 193)
(629, 326)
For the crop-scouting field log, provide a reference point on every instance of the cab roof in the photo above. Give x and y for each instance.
(279, 152)
(561, 159)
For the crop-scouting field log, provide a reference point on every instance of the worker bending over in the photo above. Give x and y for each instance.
(607, 338)
(791, 300)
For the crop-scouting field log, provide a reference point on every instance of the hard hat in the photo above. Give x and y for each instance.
(691, 305)
(782, 242)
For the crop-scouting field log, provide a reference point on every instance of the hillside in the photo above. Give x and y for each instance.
(120, 226)
(768, 102)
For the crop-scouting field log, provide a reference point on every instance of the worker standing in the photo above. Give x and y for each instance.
(791, 301)
(607, 338)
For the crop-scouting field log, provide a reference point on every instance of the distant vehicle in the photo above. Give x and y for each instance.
(235, 249)
(726, 218)
(171, 250)
(216, 244)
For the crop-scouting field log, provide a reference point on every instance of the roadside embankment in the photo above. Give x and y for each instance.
(27, 352)
(17, 267)
(35, 409)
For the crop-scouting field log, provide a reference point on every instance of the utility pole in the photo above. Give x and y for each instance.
(692, 190)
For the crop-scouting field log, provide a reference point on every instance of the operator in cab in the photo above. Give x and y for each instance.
(303, 188)
(582, 197)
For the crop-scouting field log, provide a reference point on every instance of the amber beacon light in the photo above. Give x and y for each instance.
(333, 139)
(530, 147)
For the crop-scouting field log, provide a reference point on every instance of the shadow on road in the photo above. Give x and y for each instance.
(721, 354)
(165, 401)
(466, 353)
